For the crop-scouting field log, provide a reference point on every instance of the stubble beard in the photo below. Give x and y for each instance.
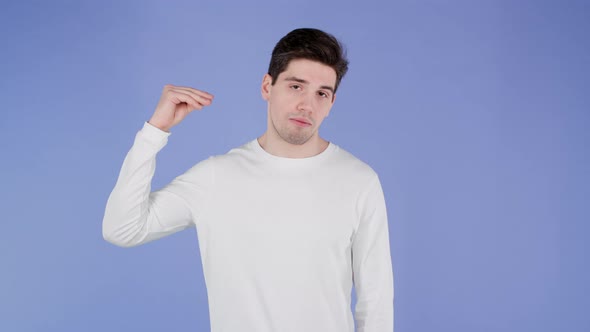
(295, 136)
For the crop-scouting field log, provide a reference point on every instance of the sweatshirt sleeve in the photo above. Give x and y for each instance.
(134, 215)
(371, 262)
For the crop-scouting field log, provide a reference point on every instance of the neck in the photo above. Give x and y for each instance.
(280, 148)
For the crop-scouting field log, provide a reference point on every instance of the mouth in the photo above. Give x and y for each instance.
(301, 122)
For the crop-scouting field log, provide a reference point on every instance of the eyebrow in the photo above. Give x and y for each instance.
(300, 80)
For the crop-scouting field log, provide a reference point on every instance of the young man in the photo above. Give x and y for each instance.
(287, 223)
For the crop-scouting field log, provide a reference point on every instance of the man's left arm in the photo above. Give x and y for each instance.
(371, 263)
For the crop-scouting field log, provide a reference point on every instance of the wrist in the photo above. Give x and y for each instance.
(159, 126)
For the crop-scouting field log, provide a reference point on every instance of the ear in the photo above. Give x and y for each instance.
(266, 86)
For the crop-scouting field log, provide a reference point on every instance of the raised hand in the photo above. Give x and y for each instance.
(176, 103)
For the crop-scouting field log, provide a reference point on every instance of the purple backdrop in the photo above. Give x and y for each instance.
(474, 113)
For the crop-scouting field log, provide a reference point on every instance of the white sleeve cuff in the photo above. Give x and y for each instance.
(153, 135)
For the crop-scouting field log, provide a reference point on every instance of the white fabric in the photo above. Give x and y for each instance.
(282, 240)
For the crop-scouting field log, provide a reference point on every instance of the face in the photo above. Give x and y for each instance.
(298, 102)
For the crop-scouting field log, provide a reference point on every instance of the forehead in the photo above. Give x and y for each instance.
(314, 72)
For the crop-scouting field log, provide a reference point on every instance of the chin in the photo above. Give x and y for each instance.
(297, 139)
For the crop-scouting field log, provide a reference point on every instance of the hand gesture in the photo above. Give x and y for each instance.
(176, 103)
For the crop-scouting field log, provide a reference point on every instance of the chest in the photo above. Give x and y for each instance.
(307, 213)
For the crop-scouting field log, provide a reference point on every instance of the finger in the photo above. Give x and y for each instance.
(180, 97)
(201, 93)
(204, 99)
(201, 97)
(190, 90)
(197, 93)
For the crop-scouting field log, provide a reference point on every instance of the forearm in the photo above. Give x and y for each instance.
(374, 288)
(372, 267)
(133, 214)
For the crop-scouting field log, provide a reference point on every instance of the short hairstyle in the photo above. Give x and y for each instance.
(311, 44)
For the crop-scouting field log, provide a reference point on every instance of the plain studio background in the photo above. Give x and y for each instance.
(474, 113)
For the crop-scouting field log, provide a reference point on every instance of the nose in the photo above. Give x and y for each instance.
(305, 102)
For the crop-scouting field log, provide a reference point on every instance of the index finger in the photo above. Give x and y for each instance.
(201, 93)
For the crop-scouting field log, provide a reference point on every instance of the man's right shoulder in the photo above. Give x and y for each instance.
(237, 154)
(230, 158)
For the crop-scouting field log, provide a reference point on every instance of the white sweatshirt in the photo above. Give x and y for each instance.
(282, 240)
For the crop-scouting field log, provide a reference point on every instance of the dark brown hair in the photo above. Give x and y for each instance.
(311, 44)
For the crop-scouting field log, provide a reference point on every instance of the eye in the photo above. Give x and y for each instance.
(323, 94)
(296, 87)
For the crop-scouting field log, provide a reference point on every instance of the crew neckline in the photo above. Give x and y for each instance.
(285, 160)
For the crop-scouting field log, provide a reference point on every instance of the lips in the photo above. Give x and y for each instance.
(301, 122)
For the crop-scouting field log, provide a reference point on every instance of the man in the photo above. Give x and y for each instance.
(287, 223)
